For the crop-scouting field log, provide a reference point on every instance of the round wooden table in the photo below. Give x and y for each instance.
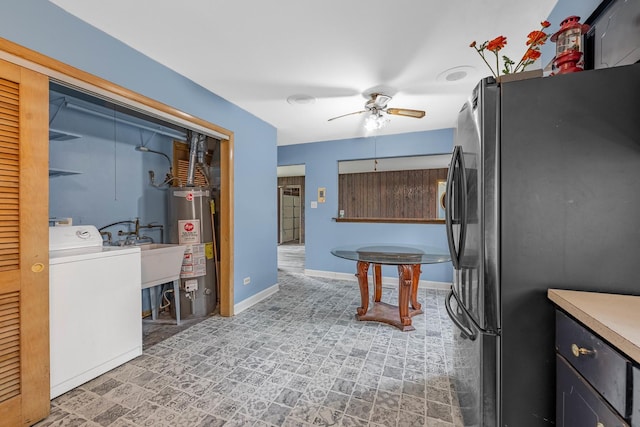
(408, 258)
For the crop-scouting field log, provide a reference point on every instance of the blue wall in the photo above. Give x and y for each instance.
(321, 170)
(43, 27)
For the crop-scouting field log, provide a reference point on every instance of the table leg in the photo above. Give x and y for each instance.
(363, 282)
(404, 292)
(377, 280)
(415, 279)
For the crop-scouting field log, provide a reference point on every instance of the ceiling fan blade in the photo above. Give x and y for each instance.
(418, 114)
(349, 114)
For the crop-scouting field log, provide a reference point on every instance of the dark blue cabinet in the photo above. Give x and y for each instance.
(594, 381)
(578, 404)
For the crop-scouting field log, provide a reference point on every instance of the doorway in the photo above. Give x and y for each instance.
(290, 220)
(291, 212)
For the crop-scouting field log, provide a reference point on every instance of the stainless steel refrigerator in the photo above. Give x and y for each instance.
(543, 192)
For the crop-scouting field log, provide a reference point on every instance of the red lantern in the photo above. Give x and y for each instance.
(568, 41)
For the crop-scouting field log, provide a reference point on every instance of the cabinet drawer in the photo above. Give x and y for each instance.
(603, 367)
(578, 404)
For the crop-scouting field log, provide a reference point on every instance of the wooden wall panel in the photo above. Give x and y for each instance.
(392, 194)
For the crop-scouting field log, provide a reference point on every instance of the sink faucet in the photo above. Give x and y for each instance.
(135, 233)
(108, 234)
(134, 237)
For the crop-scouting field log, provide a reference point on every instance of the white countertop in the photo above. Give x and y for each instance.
(614, 317)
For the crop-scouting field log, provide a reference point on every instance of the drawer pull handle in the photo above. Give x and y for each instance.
(580, 351)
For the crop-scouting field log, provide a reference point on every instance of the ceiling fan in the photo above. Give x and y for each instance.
(375, 106)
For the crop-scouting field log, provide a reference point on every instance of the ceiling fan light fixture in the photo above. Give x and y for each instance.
(374, 121)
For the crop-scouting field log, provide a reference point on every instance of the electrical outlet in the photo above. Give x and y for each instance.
(247, 280)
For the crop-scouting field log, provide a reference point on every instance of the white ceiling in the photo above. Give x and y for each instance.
(257, 53)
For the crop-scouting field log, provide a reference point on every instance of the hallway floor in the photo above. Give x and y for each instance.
(298, 358)
(291, 257)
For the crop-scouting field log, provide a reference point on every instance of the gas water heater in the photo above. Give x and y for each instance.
(190, 223)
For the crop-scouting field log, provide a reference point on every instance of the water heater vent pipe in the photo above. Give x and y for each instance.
(193, 149)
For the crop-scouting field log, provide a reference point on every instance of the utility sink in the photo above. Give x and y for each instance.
(161, 263)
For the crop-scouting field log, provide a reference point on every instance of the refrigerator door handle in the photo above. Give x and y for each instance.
(451, 189)
(448, 211)
(466, 331)
(462, 308)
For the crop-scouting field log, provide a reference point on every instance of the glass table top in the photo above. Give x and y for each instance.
(393, 254)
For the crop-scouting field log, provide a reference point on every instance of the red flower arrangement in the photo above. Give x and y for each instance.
(535, 39)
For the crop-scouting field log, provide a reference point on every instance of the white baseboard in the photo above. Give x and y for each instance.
(386, 281)
(331, 275)
(254, 299)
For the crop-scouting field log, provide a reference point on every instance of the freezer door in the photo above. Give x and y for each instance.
(474, 373)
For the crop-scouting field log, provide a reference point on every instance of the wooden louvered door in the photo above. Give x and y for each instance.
(24, 251)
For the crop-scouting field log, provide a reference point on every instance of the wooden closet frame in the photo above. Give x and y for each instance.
(56, 70)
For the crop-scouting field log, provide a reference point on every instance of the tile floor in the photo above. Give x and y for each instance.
(298, 358)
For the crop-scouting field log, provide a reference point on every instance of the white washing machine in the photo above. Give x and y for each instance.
(94, 306)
